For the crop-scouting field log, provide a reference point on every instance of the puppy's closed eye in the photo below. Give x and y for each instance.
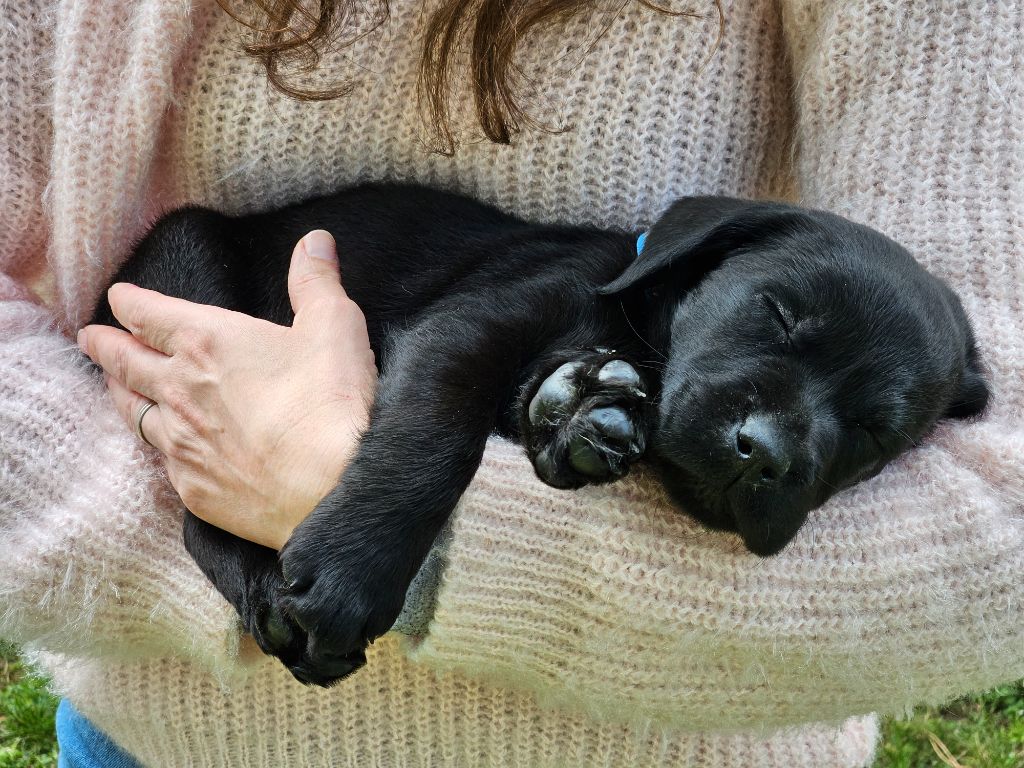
(781, 314)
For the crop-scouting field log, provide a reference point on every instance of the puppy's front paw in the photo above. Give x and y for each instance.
(586, 422)
(340, 607)
(278, 634)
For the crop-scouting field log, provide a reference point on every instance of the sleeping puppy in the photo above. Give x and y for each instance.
(759, 355)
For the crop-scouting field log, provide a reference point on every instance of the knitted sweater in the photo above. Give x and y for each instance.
(597, 627)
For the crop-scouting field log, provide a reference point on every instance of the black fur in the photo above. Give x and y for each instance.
(762, 355)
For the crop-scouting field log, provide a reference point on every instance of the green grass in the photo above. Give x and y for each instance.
(26, 716)
(978, 732)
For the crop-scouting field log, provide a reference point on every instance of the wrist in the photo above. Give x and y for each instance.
(307, 478)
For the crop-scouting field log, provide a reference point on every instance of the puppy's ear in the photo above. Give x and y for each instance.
(697, 233)
(973, 393)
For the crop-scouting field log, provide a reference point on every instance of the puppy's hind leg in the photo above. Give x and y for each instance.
(248, 576)
(188, 255)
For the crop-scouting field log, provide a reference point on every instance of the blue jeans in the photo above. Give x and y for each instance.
(83, 745)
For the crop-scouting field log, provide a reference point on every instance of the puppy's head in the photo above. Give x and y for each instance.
(805, 352)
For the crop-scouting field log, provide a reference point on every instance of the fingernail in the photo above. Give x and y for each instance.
(320, 245)
(82, 341)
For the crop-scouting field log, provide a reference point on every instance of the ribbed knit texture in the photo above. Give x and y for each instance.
(597, 627)
(402, 715)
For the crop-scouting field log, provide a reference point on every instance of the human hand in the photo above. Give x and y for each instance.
(256, 421)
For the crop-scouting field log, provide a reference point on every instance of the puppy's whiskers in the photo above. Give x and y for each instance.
(656, 365)
(823, 481)
(635, 331)
(911, 440)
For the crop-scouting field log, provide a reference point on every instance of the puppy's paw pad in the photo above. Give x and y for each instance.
(619, 373)
(606, 446)
(556, 396)
(587, 459)
(614, 422)
(274, 632)
(586, 422)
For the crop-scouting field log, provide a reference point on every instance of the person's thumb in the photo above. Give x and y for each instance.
(313, 275)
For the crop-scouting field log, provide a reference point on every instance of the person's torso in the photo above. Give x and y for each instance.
(653, 111)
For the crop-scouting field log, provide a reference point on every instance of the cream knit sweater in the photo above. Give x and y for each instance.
(593, 628)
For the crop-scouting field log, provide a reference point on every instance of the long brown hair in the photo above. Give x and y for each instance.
(290, 36)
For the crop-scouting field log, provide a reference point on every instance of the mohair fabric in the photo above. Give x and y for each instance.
(591, 628)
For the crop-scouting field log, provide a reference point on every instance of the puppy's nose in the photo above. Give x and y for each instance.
(762, 450)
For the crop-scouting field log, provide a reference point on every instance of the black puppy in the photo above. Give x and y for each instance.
(765, 356)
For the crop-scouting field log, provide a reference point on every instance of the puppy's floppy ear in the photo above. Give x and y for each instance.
(973, 393)
(696, 233)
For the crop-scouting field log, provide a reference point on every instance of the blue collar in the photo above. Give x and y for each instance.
(640, 242)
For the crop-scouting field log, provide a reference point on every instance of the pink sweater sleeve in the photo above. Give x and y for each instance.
(904, 589)
(93, 561)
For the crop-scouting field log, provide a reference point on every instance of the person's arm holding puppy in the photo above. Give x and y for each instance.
(217, 449)
(255, 421)
(618, 601)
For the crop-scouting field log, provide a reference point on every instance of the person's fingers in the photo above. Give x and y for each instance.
(164, 323)
(313, 274)
(320, 301)
(130, 404)
(125, 358)
(318, 297)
